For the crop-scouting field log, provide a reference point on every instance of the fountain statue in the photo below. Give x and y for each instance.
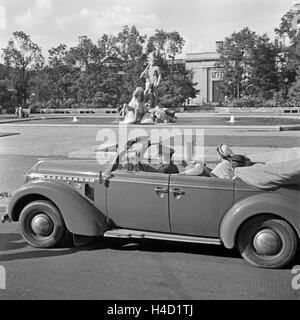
(232, 119)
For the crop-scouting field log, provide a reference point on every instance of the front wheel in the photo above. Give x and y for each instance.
(267, 242)
(41, 224)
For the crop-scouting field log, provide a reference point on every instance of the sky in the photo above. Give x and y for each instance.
(200, 22)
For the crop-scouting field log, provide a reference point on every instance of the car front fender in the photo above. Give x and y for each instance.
(80, 215)
(264, 203)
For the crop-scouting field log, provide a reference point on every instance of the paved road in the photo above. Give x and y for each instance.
(13, 169)
(21, 146)
(114, 269)
(81, 141)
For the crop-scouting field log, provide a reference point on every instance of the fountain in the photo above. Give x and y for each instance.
(232, 119)
(75, 119)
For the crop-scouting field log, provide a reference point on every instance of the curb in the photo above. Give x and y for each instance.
(156, 126)
(50, 118)
(292, 127)
(238, 115)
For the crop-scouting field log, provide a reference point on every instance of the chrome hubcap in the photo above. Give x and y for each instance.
(42, 225)
(267, 242)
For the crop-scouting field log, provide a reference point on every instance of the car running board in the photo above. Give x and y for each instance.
(125, 233)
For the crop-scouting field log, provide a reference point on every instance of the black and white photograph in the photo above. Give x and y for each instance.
(150, 153)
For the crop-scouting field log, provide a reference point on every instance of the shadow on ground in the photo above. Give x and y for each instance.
(147, 245)
(11, 241)
(163, 246)
(7, 134)
(14, 241)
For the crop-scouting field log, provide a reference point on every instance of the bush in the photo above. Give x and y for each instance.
(271, 103)
(246, 102)
(76, 106)
(95, 105)
(34, 108)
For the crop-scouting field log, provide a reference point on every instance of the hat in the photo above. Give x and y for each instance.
(225, 151)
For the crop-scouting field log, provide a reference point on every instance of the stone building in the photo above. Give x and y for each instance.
(207, 76)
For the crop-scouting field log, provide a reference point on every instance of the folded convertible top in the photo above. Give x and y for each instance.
(280, 168)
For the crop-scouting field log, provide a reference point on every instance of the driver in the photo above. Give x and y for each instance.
(167, 164)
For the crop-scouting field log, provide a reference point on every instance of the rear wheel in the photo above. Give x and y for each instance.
(267, 242)
(41, 224)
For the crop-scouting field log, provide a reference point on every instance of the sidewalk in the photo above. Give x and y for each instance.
(35, 117)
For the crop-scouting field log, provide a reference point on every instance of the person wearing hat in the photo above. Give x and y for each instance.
(224, 169)
(167, 164)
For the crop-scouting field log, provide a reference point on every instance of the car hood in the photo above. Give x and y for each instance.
(82, 168)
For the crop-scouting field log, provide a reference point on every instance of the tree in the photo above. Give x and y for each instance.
(6, 89)
(158, 43)
(175, 44)
(248, 62)
(98, 75)
(264, 79)
(42, 86)
(58, 73)
(6, 95)
(294, 91)
(177, 86)
(287, 29)
(83, 56)
(288, 40)
(130, 46)
(166, 44)
(57, 56)
(127, 48)
(106, 47)
(23, 56)
(130, 43)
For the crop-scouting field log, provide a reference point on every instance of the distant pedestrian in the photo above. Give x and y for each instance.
(17, 112)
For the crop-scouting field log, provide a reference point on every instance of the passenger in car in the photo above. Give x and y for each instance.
(195, 168)
(167, 164)
(224, 170)
(239, 160)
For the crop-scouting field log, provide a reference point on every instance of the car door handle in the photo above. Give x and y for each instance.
(161, 191)
(177, 193)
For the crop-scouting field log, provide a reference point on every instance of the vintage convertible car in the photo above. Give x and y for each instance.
(129, 198)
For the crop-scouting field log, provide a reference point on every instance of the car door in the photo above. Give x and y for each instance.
(138, 200)
(197, 204)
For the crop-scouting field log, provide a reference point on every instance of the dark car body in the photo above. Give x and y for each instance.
(115, 201)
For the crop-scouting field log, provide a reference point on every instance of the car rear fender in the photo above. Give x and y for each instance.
(263, 203)
(80, 215)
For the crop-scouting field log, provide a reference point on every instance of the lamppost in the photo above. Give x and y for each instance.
(238, 60)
